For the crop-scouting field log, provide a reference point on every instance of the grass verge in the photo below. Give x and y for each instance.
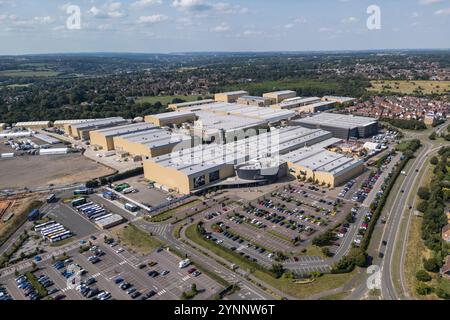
(137, 239)
(166, 215)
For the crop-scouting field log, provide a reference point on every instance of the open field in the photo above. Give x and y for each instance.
(411, 87)
(164, 100)
(137, 239)
(35, 171)
(28, 73)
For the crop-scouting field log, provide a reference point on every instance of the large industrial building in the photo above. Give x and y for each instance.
(341, 126)
(177, 106)
(104, 138)
(322, 166)
(151, 143)
(266, 114)
(61, 123)
(218, 128)
(198, 167)
(279, 96)
(315, 107)
(254, 101)
(296, 102)
(33, 124)
(81, 130)
(170, 118)
(229, 97)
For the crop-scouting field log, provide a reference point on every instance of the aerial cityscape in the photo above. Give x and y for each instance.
(231, 167)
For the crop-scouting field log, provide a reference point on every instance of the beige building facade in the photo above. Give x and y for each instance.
(170, 118)
(229, 97)
(279, 96)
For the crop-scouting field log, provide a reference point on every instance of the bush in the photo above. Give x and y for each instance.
(325, 239)
(126, 174)
(432, 136)
(434, 161)
(431, 265)
(422, 206)
(327, 253)
(423, 193)
(358, 256)
(277, 269)
(423, 289)
(92, 184)
(343, 266)
(422, 275)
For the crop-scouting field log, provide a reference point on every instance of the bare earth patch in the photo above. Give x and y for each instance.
(36, 171)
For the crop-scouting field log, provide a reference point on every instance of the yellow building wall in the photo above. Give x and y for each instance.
(349, 175)
(325, 177)
(277, 98)
(100, 140)
(177, 180)
(230, 98)
(164, 122)
(68, 129)
(167, 176)
(139, 149)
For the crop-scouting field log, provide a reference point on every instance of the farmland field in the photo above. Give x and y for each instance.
(411, 87)
(28, 73)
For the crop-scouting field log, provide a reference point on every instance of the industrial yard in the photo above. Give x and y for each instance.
(31, 172)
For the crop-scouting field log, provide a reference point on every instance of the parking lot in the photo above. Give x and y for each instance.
(65, 215)
(145, 193)
(117, 273)
(286, 221)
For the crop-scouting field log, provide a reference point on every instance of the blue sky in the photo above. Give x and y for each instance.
(39, 26)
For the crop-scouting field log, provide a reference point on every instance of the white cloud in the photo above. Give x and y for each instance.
(145, 3)
(204, 5)
(223, 27)
(426, 2)
(443, 12)
(43, 20)
(114, 6)
(349, 20)
(289, 26)
(251, 32)
(153, 19)
(108, 11)
(191, 5)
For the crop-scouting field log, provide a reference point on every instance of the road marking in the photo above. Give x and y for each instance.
(162, 292)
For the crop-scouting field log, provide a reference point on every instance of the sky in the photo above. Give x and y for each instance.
(164, 26)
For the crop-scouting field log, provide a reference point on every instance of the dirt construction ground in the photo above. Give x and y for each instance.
(37, 171)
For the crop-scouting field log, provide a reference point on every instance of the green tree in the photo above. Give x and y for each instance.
(434, 161)
(423, 193)
(277, 269)
(422, 289)
(422, 275)
(431, 265)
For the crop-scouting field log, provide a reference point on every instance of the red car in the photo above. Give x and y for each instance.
(192, 270)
